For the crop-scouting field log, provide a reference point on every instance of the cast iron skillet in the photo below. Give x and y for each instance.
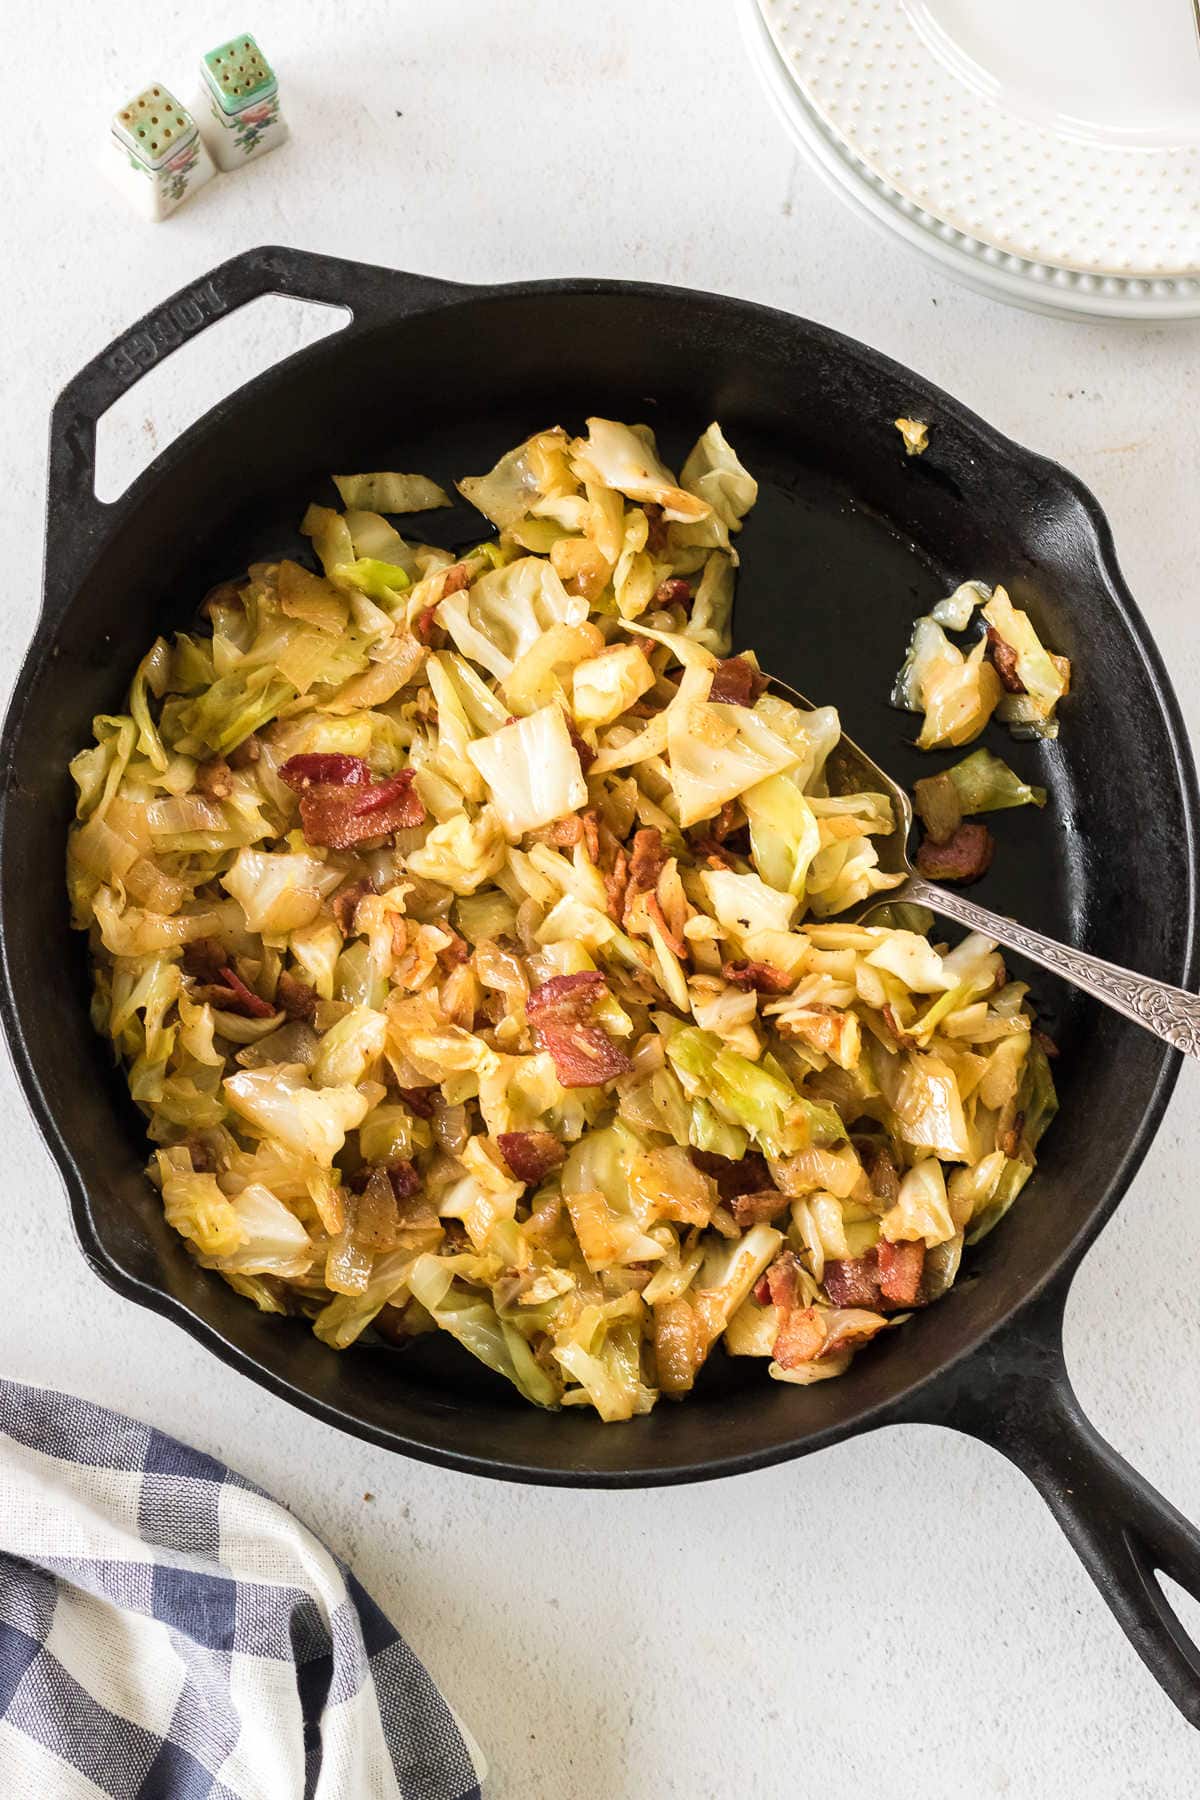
(848, 542)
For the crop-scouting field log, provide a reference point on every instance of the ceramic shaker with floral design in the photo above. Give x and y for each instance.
(156, 155)
(238, 105)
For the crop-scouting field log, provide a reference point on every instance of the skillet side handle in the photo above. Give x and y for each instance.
(1015, 1395)
(75, 517)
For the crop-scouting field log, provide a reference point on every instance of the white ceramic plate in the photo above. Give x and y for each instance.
(986, 266)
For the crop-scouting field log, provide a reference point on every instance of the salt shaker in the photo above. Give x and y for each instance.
(238, 104)
(156, 155)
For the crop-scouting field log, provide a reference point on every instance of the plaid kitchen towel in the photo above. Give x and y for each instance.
(169, 1632)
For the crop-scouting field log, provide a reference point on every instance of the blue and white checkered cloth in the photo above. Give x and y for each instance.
(169, 1632)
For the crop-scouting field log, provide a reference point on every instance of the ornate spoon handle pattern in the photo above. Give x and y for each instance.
(1169, 1012)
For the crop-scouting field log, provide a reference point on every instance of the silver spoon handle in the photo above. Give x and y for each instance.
(1169, 1012)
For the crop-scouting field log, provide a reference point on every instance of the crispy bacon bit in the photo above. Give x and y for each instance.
(762, 1291)
(531, 1154)
(563, 833)
(583, 749)
(426, 629)
(964, 857)
(753, 1209)
(1046, 1044)
(783, 1282)
(616, 882)
(675, 591)
(590, 827)
(563, 996)
(215, 778)
(420, 1100)
(404, 1177)
(558, 1012)
(800, 1339)
(300, 772)
(648, 861)
(1010, 1140)
(247, 1002)
(456, 951)
(204, 958)
(736, 682)
(714, 854)
(345, 905)
(1003, 659)
(763, 977)
(854, 1281)
(341, 814)
(749, 1175)
(656, 535)
(455, 578)
(246, 753)
(900, 1269)
(296, 997)
(881, 1171)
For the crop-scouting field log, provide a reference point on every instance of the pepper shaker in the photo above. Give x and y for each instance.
(238, 104)
(156, 155)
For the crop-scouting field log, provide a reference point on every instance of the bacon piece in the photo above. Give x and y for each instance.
(296, 997)
(854, 1281)
(763, 977)
(1003, 659)
(531, 1154)
(656, 534)
(252, 1005)
(300, 772)
(341, 815)
(584, 1056)
(616, 882)
(583, 749)
(648, 861)
(215, 778)
(748, 1175)
(564, 995)
(590, 827)
(345, 905)
(558, 1011)
(881, 1171)
(674, 591)
(404, 1177)
(426, 629)
(964, 857)
(204, 958)
(456, 951)
(455, 578)
(783, 1282)
(730, 819)
(420, 1100)
(900, 1269)
(1046, 1044)
(736, 682)
(563, 834)
(755, 1209)
(800, 1339)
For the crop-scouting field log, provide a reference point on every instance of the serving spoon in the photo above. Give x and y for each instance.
(1171, 1013)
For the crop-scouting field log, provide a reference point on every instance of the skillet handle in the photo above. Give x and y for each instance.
(75, 516)
(1015, 1395)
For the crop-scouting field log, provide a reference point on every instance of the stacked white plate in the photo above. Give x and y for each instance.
(1044, 151)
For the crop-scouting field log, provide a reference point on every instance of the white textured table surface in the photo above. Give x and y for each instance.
(898, 1615)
